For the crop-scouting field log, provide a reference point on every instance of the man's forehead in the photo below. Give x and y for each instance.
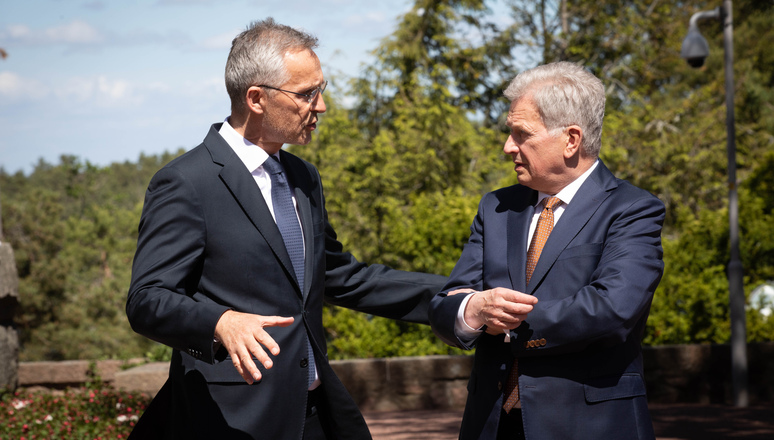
(522, 107)
(515, 112)
(304, 68)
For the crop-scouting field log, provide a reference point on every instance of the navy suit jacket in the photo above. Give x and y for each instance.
(208, 243)
(581, 374)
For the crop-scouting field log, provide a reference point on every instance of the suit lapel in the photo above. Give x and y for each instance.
(576, 216)
(242, 186)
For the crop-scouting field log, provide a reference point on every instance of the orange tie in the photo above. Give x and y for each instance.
(543, 229)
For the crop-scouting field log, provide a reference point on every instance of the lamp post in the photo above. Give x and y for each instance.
(695, 49)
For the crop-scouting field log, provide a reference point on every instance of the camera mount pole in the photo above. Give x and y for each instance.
(695, 50)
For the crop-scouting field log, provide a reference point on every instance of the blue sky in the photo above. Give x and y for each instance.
(106, 80)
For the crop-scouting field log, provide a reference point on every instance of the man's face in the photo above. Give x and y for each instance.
(538, 155)
(289, 118)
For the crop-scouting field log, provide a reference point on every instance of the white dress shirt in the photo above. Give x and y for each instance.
(254, 157)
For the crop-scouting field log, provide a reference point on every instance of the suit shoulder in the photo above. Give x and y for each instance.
(193, 155)
(192, 166)
(293, 160)
(511, 191)
(510, 196)
(626, 190)
(298, 164)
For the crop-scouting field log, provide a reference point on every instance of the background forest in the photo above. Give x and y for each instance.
(407, 149)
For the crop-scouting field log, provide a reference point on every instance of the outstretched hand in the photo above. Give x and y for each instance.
(500, 309)
(243, 336)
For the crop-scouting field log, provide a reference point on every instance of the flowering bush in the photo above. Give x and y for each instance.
(82, 413)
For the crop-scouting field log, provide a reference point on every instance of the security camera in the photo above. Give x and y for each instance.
(695, 48)
(695, 62)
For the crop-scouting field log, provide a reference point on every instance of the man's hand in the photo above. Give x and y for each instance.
(242, 334)
(500, 309)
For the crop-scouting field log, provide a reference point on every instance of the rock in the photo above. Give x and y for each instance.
(148, 378)
(9, 338)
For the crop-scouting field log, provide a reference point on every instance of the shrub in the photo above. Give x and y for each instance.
(93, 412)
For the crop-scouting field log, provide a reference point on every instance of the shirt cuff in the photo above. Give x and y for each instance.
(463, 331)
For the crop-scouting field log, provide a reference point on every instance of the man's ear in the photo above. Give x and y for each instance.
(256, 99)
(574, 138)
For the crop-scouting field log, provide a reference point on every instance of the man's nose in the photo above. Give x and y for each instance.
(510, 146)
(318, 104)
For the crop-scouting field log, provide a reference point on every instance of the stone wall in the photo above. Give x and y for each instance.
(702, 373)
(9, 338)
(674, 374)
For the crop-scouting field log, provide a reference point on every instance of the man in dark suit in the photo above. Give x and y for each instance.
(235, 256)
(559, 272)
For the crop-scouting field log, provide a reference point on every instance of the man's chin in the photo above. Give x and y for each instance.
(303, 140)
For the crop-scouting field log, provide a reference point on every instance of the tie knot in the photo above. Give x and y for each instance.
(272, 165)
(551, 202)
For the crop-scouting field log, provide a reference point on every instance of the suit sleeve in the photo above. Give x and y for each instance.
(163, 303)
(375, 289)
(598, 298)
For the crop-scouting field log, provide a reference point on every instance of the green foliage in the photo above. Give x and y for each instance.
(405, 167)
(73, 229)
(691, 304)
(355, 335)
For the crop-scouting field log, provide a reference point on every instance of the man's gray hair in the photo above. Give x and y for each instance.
(257, 57)
(565, 94)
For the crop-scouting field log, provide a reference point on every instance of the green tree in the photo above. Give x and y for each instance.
(73, 227)
(405, 168)
(665, 131)
(406, 165)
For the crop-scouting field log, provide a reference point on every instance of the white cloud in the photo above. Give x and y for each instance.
(74, 32)
(77, 32)
(14, 87)
(99, 91)
(221, 41)
(114, 90)
(104, 91)
(17, 32)
(367, 18)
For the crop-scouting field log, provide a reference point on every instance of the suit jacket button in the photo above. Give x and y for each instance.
(304, 363)
(543, 342)
(499, 386)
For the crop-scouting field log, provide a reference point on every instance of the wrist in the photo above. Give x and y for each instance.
(471, 315)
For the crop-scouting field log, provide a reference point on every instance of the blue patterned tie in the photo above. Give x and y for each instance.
(285, 216)
(287, 222)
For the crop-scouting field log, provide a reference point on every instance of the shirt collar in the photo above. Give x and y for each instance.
(250, 154)
(569, 191)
